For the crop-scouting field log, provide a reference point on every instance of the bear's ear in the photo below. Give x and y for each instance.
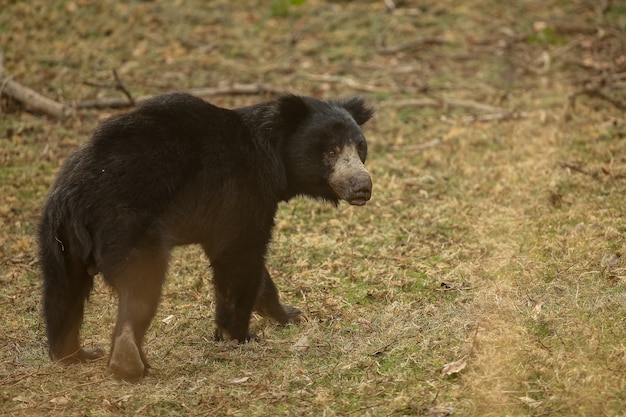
(357, 108)
(292, 110)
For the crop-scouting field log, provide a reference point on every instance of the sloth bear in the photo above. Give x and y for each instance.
(176, 171)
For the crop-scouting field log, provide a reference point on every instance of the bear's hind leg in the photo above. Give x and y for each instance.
(138, 284)
(268, 304)
(63, 308)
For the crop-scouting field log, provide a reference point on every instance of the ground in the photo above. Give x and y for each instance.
(484, 278)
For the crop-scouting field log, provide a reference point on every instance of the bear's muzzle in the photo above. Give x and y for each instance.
(350, 179)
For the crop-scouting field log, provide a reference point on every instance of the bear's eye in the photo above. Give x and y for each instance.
(331, 153)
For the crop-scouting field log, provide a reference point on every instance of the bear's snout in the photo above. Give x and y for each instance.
(350, 179)
(361, 191)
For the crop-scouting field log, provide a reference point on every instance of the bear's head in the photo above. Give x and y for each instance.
(324, 149)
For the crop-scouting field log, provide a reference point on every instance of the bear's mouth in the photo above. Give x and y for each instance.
(357, 201)
(356, 197)
(360, 197)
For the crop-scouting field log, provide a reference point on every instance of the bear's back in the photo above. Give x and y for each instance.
(141, 160)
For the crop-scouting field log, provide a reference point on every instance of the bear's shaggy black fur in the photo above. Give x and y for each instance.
(177, 171)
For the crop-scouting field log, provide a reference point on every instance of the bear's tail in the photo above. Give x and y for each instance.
(66, 283)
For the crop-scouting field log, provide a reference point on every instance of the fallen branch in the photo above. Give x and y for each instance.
(37, 103)
(32, 100)
(237, 89)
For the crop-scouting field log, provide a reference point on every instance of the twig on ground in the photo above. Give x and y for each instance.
(543, 345)
(109, 103)
(119, 85)
(451, 102)
(613, 176)
(414, 44)
(237, 89)
(598, 93)
(577, 168)
(418, 147)
(593, 174)
(496, 117)
(473, 105)
(593, 87)
(350, 82)
(30, 98)
(608, 79)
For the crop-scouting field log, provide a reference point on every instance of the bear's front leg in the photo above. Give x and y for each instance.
(237, 281)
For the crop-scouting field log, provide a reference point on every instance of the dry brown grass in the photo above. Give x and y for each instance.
(492, 240)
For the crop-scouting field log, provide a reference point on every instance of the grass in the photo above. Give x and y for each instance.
(499, 242)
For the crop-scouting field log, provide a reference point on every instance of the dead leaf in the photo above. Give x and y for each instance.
(537, 309)
(610, 260)
(531, 402)
(21, 399)
(616, 278)
(454, 367)
(141, 48)
(239, 380)
(302, 345)
(124, 398)
(60, 401)
(440, 411)
(168, 319)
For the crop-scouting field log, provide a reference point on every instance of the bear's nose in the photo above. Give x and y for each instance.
(361, 191)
